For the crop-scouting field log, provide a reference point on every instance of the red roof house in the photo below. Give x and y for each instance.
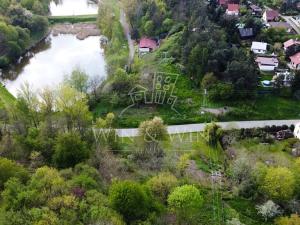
(295, 61)
(223, 2)
(147, 45)
(270, 15)
(290, 43)
(233, 9)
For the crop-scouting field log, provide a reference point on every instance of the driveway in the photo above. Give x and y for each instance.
(189, 128)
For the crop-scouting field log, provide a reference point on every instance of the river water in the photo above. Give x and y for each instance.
(73, 7)
(56, 57)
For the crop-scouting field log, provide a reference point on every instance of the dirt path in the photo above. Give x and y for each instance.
(81, 30)
(126, 28)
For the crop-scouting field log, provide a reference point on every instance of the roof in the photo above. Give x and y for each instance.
(223, 2)
(284, 25)
(233, 7)
(147, 43)
(267, 60)
(290, 43)
(246, 32)
(295, 58)
(255, 8)
(272, 14)
(259, 45)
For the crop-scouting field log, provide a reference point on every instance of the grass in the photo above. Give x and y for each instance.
(6, 98)
(72, 19)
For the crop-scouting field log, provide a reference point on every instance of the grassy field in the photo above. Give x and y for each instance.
(6, 98)
(72, 19)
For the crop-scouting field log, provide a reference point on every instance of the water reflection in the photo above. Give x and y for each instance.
(73, 7)
(55, 58)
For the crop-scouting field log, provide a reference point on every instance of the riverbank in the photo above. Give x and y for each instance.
(72, 19)
(80, 30)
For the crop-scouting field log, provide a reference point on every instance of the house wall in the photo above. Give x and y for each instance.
(264, 67)
(258, 51)
(297, 131)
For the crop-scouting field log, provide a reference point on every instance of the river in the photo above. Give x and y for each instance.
(54, 58)
(73, 7)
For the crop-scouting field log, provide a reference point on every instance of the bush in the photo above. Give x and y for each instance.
(185, 201)
(131, 200)
(10, 169)
(162, 184)
(69, 150)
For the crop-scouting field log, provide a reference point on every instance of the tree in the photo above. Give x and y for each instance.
(9, 169)
(78, 80)
(185, 201)
(212, 134)
(152, 133)
(208, 81)
(73, 105)
(162, 184)
(131, 200)
(294, 219)
(69, 150)
(268, 210)
(279, 183)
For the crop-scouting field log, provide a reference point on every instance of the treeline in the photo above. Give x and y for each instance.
(21, 24)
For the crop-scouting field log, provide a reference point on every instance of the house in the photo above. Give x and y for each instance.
(246, 33)
(256, 10)
(233, 10)
(270, 15)
(223, 2)
(281, 25)
(290, 44)
(297, 131)
(267, 63)
(147, 45)
(286, 76)
(259, 47)
(295, 61)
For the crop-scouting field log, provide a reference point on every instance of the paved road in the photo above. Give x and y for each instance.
(189, 128)
(292, 22)
(126, 28)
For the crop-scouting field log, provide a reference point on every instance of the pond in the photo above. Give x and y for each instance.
(73, 7)
(53, 59)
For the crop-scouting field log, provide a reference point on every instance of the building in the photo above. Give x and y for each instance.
(270, 15)
(147, 45)
(246, 33)
(290, 44)
(256, 10)
(297, 131)
(223, 2)
(259, 47)
(281, 25)
(267, 63)
(295, 61)
(233, 10)
(286, 76)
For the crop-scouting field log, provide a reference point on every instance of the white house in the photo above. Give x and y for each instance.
(259, 47)
(267, 63)
(297, 131)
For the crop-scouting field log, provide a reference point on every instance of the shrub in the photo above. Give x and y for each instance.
(185, 201)
(162, 184)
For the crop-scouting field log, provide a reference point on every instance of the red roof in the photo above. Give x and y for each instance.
(290, 43)
(295, 58)
(272, 14)
(147, 43)
(267, 60)
(222, 2)
(233, 7)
